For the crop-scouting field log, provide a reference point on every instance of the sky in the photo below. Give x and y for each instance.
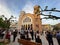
(14, 7)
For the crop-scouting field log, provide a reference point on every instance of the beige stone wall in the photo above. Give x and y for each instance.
(36, 22)
(46, 27)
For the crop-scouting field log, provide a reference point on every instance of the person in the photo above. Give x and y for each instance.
(8, 35)
(32, 34)
(22, 34)
(0, 34)
(49, 38)
(58, 37)
(38, 40)
(14, 35)
(27, 35)
(3, 33)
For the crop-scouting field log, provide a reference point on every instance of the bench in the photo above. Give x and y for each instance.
(26, 42)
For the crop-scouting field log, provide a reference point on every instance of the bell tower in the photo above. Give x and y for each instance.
(36, 9)
(37, 18)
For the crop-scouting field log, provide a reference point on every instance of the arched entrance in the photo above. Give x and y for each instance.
(27, 23)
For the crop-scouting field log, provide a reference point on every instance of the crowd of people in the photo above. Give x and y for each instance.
(6, 34)
(30, 35)
(36, 35)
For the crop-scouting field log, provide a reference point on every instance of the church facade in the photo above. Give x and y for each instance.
(29, 21)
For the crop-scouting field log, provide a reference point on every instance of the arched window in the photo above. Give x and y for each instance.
(31, 27)
(26, 26)
(27, 19)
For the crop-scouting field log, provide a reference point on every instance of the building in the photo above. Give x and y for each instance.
(47, 27)
(29, 21)
(13, 26)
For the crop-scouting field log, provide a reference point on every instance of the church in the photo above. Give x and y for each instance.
(28, 21)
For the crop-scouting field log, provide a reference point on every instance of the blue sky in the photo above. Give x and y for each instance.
(13, 7)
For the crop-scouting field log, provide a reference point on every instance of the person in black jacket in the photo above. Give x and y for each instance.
(49, 38)
(58, 37)
(14, 35)
(38, 40)
(32, 34)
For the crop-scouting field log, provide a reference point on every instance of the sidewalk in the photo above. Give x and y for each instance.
(44, 41)
(16, 41)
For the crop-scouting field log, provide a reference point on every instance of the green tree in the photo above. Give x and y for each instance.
(1, 22)
(6, 22)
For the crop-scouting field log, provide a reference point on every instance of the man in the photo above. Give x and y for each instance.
(14, 35)
(49, 38)
(32, 34)
(38, 40)
(58, 37)
(22, 34)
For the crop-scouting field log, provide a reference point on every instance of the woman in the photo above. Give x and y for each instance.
(8, 36)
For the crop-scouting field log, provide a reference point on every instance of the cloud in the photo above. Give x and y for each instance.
(50, 21)
(28, 8)
(4, 11)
